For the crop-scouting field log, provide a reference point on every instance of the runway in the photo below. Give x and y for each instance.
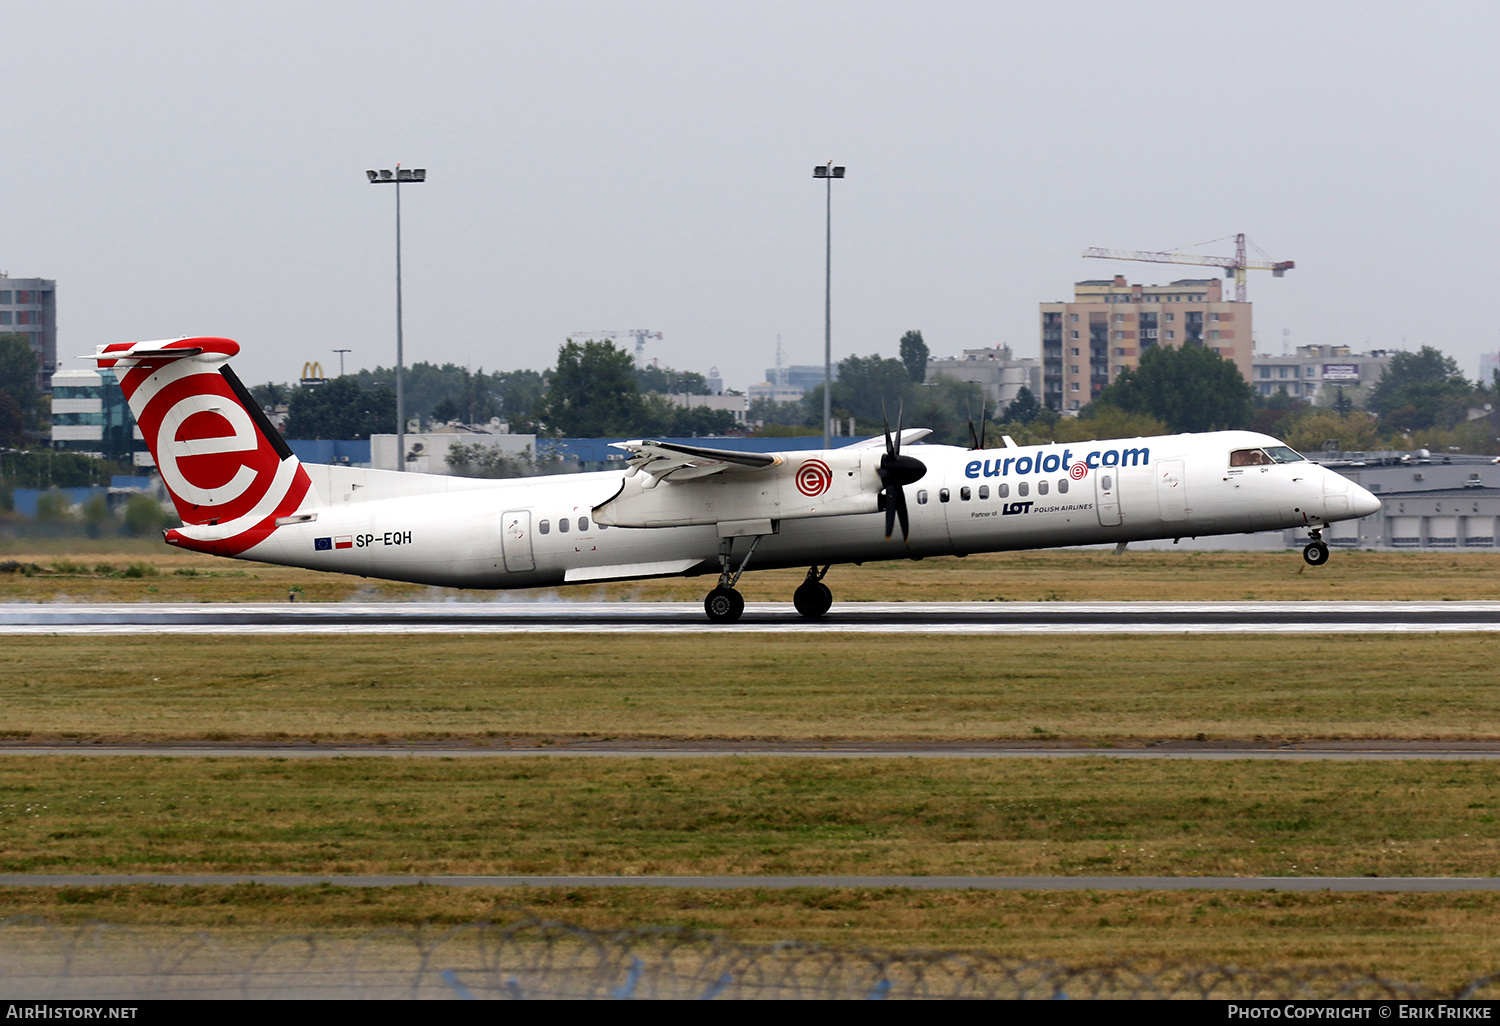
(529, 617)
(1346, 884)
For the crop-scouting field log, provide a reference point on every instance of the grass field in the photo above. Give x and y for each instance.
(784, 816)
(487, 688)
(539, 815)
(100, 572)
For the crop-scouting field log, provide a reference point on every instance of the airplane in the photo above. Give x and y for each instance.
(681, 510)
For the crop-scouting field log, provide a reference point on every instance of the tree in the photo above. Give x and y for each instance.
(1427, 382)
(341, 409)
(914, 355)
(665, 380)
(1352, 432)
(870, 388)
(1023, 409)
(592, 393)
(1188, 389)
(18, 370)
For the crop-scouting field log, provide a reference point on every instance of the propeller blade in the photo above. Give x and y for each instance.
(896, 472)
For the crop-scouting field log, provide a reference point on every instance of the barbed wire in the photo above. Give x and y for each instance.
(534, 959)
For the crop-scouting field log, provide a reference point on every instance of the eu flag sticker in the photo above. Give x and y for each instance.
(319, 544)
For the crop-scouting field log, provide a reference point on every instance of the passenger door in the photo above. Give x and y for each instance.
(515, 540)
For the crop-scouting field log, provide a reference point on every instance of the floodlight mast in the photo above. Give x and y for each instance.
(828, 172)
(400, 176)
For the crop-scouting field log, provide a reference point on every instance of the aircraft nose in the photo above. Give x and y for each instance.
(1363, 502)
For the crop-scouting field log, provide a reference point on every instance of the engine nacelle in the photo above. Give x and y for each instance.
(820, 484)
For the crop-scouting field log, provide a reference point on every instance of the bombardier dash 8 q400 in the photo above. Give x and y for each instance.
(682, 510)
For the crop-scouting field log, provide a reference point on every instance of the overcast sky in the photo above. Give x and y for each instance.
(198, 168)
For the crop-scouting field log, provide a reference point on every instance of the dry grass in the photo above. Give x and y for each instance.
(1048, 575)
(789, 816)
(481, 688)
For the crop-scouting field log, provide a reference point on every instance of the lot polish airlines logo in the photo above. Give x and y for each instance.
(222, 473)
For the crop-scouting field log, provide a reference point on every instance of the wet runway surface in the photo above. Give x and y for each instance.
(522, 617)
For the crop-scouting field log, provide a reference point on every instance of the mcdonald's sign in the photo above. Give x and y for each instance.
(312, 373)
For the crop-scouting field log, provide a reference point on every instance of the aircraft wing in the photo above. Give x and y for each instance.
(908, 436)
(672, 462)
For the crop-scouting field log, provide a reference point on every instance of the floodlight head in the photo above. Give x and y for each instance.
(385, 176)
(419, 174)
(403, 174)
(838, 172)
(373, 175)
(821, 171)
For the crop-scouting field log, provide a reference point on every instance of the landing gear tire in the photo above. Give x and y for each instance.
(812, 599)
(1315, 554)
(724, 605)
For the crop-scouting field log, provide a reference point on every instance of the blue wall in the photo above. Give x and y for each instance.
(330, 450)
(598, 451)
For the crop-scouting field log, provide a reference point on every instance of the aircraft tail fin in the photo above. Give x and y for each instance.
(230, 473)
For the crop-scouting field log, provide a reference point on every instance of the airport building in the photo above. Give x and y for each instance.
(1426, 501)
(997, 370)
(90, 415)
(1318, 371)
(1087, 343)
(29, 306)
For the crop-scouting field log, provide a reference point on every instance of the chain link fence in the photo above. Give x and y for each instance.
(534, 959)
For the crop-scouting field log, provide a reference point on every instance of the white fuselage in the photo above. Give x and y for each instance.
(534, 532)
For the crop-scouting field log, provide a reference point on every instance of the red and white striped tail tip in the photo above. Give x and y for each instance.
(208, 348)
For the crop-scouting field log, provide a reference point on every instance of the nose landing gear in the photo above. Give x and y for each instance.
(1316, 551)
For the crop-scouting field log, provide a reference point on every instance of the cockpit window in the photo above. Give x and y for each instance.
(1249, 458)
(1284, 454)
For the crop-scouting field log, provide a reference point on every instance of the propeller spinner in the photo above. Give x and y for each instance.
(896, 472)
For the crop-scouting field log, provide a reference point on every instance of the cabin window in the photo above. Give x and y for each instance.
(942, 495)
(964, 493)
(1041, 487)
(1284, 453)
(583, 523)
(1248, 458)
(562, 525)
(544, 526)
(1062, 486)
(984, 491)
(1002, 491)
(921, 496)
(1023, 489)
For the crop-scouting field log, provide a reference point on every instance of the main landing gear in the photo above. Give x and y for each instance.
(812, 597)
(724, 604)
(1316, 552)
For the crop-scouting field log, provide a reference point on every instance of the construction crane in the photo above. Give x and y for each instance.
(1236, 265)
(639, 334)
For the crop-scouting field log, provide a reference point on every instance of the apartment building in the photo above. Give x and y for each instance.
(1089, 342)
(29, 306)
